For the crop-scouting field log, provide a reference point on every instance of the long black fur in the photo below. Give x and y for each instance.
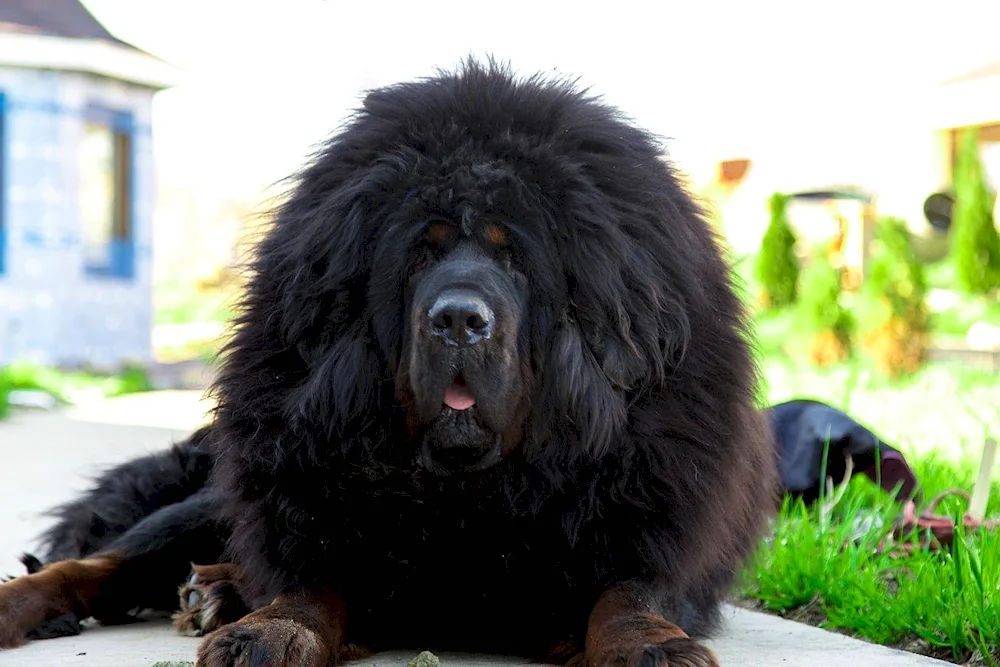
(644, 458)
(641, 458)
(124, 495)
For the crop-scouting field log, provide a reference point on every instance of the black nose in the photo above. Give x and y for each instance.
(460, 319)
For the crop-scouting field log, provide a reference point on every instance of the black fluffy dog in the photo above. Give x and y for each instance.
(490, 390)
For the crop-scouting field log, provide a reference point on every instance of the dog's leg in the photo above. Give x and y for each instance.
(627, 628)
(124, 495)
(303, 628)
(139, 570)
(63, 588)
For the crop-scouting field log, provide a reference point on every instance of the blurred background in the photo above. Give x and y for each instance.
(848, 153)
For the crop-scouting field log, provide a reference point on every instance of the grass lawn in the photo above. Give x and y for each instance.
(945, 604)
(68, 386)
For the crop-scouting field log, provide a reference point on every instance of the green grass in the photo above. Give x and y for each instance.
(68, 386)
(825, 570)
(942, 603)
(5, 389)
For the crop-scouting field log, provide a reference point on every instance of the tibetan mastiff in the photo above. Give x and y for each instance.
(490, 389)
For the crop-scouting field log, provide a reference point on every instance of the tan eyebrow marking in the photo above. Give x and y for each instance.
(496, 235)
(440, 233)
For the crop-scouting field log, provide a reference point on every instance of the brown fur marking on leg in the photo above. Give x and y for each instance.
(302, 629)
(68, 586)
(567, 652)
(625, 630)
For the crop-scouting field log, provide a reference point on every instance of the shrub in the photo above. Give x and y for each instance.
(777, 265)
(133, 379)
(822, 316)
(893, 302)
(975, 243)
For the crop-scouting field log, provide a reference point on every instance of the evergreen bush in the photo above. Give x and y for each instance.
(975, 243)
(777, 265)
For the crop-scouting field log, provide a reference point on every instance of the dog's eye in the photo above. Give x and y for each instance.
(440, 234)
(423, 257)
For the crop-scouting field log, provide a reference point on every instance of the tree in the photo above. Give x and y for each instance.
(822, 315)
(975, 243)
(893, 308)
(777, 265)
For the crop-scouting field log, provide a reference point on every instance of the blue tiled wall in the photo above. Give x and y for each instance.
(51, 310)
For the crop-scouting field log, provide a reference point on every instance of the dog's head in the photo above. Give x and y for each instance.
(477, 266)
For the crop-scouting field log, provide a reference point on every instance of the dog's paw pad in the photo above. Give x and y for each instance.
(207, 605)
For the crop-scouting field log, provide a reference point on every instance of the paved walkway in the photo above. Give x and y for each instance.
(46, 457)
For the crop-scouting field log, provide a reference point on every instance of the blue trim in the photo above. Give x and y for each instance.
(121, 261)
(121, 253)
(90, 112)
(119, 121)
(4, 170)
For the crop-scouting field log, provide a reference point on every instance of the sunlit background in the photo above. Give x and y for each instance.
(753, 99)
(814, 95)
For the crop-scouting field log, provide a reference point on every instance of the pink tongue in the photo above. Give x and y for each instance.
(458, 397)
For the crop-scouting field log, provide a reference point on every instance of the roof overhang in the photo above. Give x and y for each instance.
(98, 57)
(838, 193)
(968, 99)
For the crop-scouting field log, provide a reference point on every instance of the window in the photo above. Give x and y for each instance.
(731, 172)
(106, 193)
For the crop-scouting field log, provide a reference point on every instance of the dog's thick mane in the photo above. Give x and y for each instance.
(634, 333)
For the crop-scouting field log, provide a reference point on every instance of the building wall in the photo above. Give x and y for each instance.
(51, 309)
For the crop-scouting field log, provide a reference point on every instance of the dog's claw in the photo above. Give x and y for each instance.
(207, 603)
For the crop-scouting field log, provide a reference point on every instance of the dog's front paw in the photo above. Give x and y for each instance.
(265, 642)
(30, 610)
(679, 652)
(209, 600)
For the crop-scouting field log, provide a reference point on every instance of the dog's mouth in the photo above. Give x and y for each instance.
(458, 440)
(458, 396)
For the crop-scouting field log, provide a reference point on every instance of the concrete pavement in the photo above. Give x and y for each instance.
(750, 639)
(46, 457)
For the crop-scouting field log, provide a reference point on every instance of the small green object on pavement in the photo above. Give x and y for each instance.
(424, 659)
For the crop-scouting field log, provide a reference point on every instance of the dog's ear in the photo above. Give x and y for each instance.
(590, 406)
(621, 361)
(620, 337)
(302, 333)
(641, 338)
